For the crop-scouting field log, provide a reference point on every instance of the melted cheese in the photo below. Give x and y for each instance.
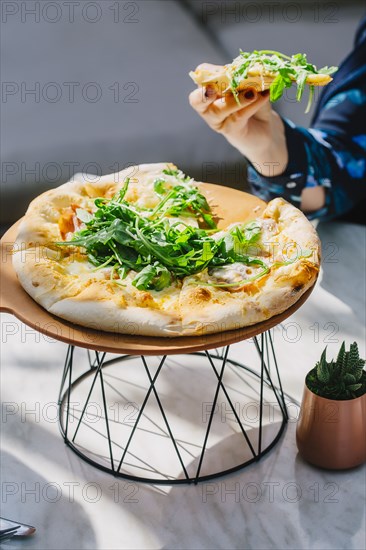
(165, 300)
(83, 269)
(234, 273)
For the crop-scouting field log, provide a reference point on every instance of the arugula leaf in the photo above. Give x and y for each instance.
(183, 200)
(289, 69)
(235, 244)
(171, 171)
(310, 100)
(154, 277)
(281, 82)
(328, 70)
(299, 59)
(208, 218)
(252, 232)
(301, 81)
(159, 186)
(123, 191)
(276, 88)
(124, 237)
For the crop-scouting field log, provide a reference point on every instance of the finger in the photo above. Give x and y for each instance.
(228, 104)
(264, 112)
(260, 108)
(201, 99)
(217, 114)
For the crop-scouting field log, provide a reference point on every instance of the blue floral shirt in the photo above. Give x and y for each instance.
(332, 153)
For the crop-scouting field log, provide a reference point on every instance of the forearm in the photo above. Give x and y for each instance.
(321, 176)
(269, 156)
(312, 199)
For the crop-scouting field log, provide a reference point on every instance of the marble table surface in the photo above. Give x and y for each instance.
(280, 502)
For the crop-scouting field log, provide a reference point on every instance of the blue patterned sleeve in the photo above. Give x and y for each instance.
(331, 154)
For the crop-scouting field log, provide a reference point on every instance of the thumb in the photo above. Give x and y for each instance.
(264, 107)
(260, 109)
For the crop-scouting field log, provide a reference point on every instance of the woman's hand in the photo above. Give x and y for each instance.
(252, 126)
(254, 129)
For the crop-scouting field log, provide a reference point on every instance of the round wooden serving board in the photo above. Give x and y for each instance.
(229, 206)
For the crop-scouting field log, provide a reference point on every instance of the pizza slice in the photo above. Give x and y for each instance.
(264, 70)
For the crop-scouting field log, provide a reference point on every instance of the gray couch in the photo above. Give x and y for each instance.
(110, 83)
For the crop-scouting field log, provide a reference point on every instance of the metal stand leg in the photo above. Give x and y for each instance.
(114, 459)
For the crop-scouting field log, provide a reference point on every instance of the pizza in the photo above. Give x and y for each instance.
(264, 70)
(142, 254)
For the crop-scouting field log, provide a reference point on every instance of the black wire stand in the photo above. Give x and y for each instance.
(94, 414)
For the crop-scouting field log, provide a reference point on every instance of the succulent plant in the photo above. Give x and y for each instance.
(341, 379)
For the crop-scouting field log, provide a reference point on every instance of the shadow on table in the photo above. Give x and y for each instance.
(276, 503)
(330, 513)
(30, 498)
(235, 511)
(184, 516)
(253, 509)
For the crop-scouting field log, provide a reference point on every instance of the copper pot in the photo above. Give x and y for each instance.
(332, 434)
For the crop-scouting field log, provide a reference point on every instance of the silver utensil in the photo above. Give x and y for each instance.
(10, 529)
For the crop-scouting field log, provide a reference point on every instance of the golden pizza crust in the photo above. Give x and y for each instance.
(67, 286)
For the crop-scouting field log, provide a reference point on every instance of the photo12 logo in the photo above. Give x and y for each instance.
(229, 12)
(69, 170)
(70, 12)
(71, 491)
(69, 92)
(270, 492)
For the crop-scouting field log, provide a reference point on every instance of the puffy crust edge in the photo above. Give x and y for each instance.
(105, 316)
